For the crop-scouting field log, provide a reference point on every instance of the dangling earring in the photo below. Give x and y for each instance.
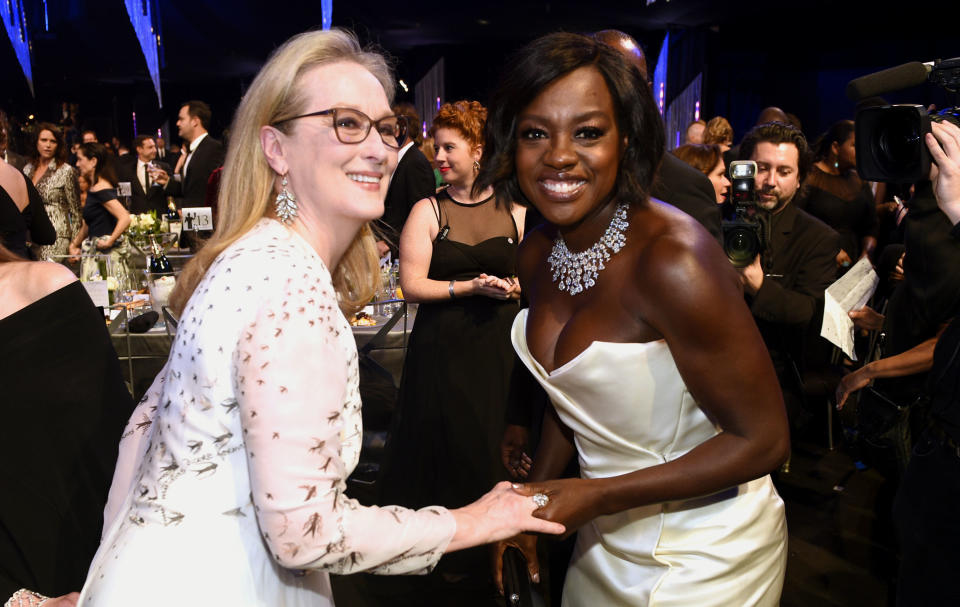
(476, 166)
(286, 203)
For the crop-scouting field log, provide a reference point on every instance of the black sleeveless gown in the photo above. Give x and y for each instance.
(444, 442)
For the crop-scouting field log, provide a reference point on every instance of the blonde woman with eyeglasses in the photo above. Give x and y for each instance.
(230, 485)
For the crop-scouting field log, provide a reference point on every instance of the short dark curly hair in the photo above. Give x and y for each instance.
(536, 66)
(777, 133)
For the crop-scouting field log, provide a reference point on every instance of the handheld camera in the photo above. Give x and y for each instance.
(744, 233)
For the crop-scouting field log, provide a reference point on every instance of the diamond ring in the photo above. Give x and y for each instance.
(541, 500)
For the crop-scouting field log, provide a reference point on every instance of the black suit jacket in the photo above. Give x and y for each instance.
(799, 263)
(412, 180)
(154, 199)
(192, 189)
(686, 188)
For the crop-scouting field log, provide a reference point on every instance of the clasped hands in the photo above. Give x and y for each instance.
(496, 288)
(570, 503)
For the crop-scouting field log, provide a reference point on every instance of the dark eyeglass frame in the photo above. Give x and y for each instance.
(370, 123)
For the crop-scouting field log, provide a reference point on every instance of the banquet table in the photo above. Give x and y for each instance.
(381, 347)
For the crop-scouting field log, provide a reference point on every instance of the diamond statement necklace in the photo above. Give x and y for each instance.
(577, 272)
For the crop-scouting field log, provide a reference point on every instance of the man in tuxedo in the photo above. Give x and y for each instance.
(146, 193)
(199, 157)
(412, 180)
(676, 183)
(162, 150)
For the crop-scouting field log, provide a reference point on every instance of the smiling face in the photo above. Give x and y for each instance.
(329, 178)
(778, 176)
(46, 145)
(569, 147)
(147, 150)
(718, 177)
(455, 157)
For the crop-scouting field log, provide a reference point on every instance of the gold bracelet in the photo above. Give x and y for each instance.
(26, 598)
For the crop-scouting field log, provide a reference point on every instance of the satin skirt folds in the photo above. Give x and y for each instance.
(649, 556)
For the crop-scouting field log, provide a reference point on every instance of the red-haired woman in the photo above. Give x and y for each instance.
(458, 258)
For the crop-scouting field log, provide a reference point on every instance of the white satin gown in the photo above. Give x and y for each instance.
(629, 409)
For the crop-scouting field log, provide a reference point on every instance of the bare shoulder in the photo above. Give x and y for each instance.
(677, 249)
(47, 277)
(424, 209)
(25, 282)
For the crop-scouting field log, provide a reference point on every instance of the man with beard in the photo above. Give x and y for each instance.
(785, 283)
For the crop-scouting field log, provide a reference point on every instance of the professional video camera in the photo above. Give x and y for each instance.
(890, 138)
(744, 234)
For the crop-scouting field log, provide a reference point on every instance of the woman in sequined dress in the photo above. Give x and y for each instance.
(57, 183)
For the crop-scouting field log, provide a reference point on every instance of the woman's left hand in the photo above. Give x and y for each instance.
(571, 501)
(104, 243)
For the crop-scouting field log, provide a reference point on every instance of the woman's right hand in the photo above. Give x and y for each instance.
(491, 286)
(498, 515)
(526, 543)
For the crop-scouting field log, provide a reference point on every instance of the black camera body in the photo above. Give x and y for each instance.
(890, 142)
(744, 233)
(890, 139)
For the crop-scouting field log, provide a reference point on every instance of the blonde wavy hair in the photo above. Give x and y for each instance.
(248, 184)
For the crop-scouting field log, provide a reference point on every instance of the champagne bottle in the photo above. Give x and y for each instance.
(173, 219)
(159, 264)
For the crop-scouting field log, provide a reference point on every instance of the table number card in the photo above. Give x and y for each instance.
(198, 219)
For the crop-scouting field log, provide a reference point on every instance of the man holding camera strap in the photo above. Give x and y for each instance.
(785, 283)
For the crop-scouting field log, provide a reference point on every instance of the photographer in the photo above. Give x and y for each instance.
(929, 495)
(785, 283)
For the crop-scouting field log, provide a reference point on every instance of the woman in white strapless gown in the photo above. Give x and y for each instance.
(659, 379)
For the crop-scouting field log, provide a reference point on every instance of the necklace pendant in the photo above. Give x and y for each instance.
(577, 272)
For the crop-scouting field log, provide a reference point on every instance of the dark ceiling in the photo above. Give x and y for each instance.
(212, 48)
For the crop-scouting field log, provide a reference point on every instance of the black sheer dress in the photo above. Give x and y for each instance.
(444, 442)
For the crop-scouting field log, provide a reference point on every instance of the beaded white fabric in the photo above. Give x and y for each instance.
(230, 485)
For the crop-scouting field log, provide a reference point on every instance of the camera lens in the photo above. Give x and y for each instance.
(898, 142)
(741, 245)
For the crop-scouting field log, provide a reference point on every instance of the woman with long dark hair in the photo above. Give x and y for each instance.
(104, 221)
(637, 330)
(57, 183)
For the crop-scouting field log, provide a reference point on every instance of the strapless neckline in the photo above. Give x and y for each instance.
(594, 345)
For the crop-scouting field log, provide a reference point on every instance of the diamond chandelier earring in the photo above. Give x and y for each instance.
(476, 166)
(286, 203)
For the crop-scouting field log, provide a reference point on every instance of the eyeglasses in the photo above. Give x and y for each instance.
(353, 126)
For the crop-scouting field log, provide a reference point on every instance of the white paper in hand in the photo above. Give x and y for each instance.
(851, 292)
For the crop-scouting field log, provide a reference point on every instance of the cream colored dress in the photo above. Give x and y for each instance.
(629, 409)
(230, 485)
